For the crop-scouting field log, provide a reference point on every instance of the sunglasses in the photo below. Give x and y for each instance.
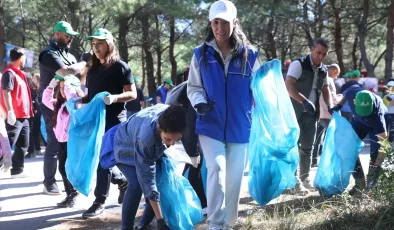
(69, 36)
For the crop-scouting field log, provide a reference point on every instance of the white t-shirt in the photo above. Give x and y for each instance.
(295, 71)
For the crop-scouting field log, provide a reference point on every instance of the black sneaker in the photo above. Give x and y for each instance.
(95, 210)
(51, 189)
(69, 202)
(122, 191)
(145, 227)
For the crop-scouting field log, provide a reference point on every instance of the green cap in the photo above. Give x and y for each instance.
(169, 81)
(364, 103)
(356, 73)
(59, 77)
(135, 80)
(65, 27)
(101, 34)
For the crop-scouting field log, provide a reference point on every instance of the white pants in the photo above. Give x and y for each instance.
(226, 163)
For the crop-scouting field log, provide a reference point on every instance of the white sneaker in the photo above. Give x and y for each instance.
(307, 184)
(300, 189)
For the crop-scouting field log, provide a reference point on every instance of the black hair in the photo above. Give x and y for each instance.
(321, 41)
(17, 53)
(173, 119)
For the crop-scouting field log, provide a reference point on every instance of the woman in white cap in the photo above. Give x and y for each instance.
(219, 89)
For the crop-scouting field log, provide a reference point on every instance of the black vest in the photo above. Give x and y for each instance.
(305, 83)
(46, 73)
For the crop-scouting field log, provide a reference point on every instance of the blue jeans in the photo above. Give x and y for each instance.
(132, 199)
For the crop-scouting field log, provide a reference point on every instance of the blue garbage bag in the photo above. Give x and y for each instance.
(43, 129)
(107, 157)
(273, 115)
(178, 200)
(340, 151)
(273, 143)
(86, 130)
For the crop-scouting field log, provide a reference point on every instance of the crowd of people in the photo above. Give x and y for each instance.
(207, 112)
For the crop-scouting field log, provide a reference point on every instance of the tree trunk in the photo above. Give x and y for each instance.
(147, 46)
(23, 24)
(171, 50)
(354, 52)
(388, 71)
(338, 36)
(158, 51)
(362, 32)
(319, 19)
(306, 24)
(271, 37)
(123, 30)
(2, 37)
(75, 12)
(143, 69)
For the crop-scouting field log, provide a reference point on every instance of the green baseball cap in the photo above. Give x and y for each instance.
(169, 81)
(135, 80)
(101, 34)
(65, 27)
(346, 75)
(364, 103)
(356, 73)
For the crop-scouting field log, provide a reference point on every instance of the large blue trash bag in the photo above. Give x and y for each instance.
(273, 115)
(86, 130)
(107, 157)
(273, 149)
(178, 200)
(340, 151)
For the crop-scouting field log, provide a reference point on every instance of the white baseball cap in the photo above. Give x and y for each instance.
(223, 9)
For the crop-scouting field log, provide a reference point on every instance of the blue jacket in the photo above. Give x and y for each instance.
(138, 144)
(230, 120)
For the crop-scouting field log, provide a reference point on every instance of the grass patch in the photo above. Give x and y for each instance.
(339, 212)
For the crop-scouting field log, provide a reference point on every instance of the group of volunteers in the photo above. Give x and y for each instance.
(210, 117)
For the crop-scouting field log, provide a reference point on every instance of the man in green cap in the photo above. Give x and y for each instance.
(161, 92)
(368, 117)
(55, 59)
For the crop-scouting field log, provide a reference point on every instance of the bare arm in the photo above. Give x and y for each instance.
(7, 99)
(129, 94)
(71, 69)
(158, 100)
(293, 92)
(156, 209)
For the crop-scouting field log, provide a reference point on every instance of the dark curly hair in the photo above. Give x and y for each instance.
(173, 119)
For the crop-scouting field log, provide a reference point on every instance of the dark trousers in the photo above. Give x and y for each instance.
(35, 133)
(62, 168)
(195, 180)
(52, 148)
(320, 135)
(107, 176)
(307, 125)
(362, 131)
(132, 200)
(18, 135)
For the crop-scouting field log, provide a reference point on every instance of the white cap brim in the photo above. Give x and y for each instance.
(222, 15)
